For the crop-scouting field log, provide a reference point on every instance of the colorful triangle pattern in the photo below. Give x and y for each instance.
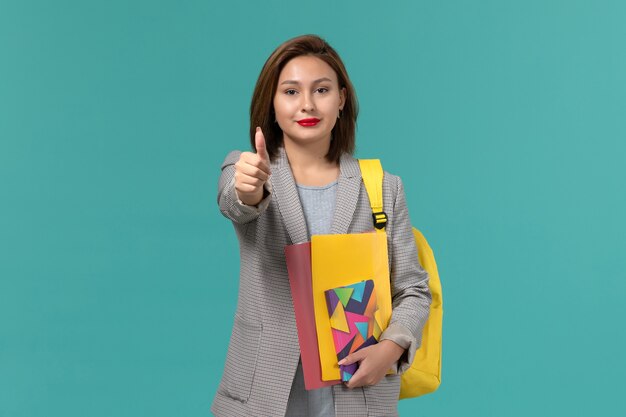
(344, 294)
(354, 320)
(362, 326)
(338, 319)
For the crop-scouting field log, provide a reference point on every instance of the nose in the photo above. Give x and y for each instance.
(307, 102)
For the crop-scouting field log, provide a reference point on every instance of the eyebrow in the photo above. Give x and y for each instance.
(319, 80)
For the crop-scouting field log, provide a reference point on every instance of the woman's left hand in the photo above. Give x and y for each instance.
(374, 362)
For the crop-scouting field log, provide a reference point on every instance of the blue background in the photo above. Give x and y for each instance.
(118, 275)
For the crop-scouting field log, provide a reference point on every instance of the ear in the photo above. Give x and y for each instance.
(342, 98)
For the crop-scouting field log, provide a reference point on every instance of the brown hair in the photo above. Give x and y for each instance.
(262, 107)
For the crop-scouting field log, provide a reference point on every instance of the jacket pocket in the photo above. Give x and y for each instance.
(382, 398)
(241, 359)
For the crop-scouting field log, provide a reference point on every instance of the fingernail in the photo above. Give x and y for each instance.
(258, 128)
(341, 362)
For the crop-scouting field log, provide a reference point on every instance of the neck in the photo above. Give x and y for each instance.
(307, 156)
(308, 162)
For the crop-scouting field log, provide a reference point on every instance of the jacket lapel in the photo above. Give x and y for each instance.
(287, 198)
(348, 188)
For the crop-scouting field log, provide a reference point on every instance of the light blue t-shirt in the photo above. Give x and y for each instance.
(318, 204)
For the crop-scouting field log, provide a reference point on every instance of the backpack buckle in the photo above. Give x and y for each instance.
(380, 219)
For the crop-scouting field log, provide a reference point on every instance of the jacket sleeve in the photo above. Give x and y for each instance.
(410, 294)
(227, 199)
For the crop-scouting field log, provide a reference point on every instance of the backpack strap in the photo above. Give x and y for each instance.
(372, 173)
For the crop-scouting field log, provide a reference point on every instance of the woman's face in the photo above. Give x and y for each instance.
(307, 100)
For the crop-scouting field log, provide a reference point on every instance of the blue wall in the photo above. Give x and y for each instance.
(118, 275)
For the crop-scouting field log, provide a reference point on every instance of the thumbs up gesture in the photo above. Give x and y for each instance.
(252, 172)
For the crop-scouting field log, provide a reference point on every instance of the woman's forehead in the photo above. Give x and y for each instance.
(306, 69)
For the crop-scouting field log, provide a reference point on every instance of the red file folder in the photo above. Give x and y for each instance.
(299, 267)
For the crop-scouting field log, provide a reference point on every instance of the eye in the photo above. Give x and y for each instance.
(290, 92)
(322, 90)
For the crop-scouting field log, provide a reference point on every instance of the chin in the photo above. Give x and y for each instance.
(304, 139)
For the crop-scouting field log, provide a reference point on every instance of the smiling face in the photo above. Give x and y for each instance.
(308, 100)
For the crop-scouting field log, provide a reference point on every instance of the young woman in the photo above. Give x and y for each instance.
(301, 180)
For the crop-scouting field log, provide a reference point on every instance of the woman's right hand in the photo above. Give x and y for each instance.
(252, 172)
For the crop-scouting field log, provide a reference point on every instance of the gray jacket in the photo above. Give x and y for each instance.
(263, 352)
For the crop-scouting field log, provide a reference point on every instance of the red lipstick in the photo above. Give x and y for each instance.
(308, 122)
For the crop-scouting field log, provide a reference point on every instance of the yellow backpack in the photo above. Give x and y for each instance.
(424, 376)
